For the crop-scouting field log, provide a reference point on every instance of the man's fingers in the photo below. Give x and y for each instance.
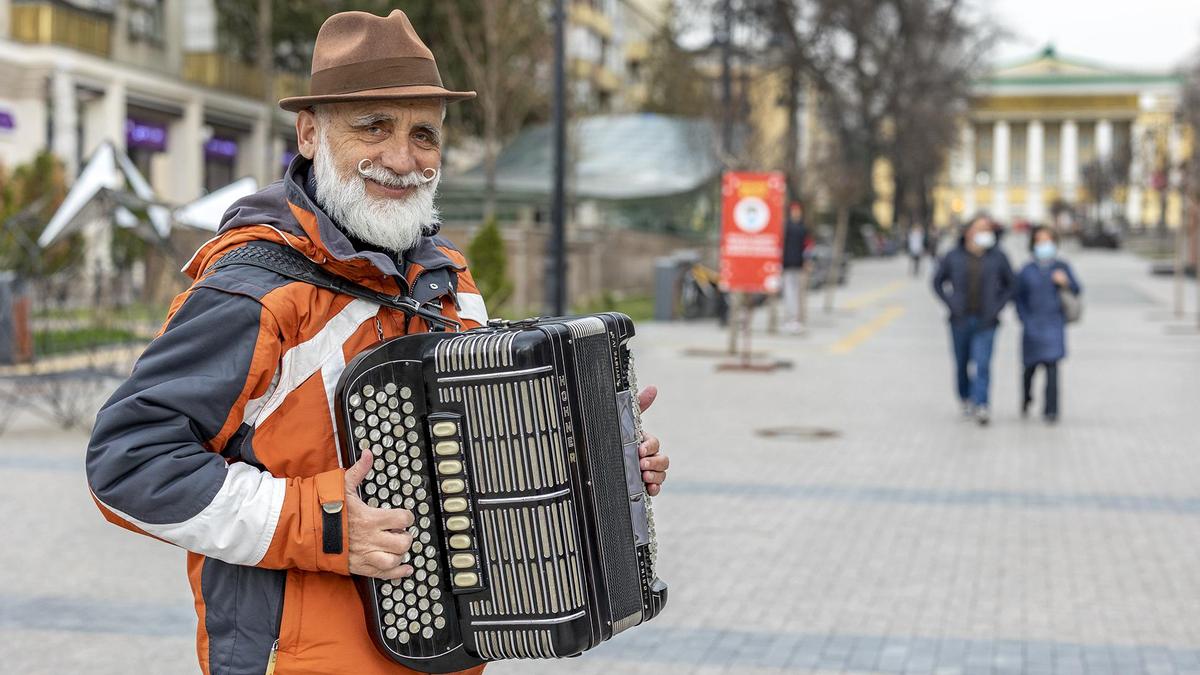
(653, 489)
(649, 446)
(396, 572)
(646, 397)
(395, 519)
(653, 477)
(396, 543)
(356, 473)
(656, 463)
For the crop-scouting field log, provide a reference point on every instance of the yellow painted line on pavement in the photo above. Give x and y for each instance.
(864, 332)
(872, 297)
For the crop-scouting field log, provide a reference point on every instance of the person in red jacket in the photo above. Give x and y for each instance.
(222, 441)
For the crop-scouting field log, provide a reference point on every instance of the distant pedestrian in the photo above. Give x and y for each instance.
(795, 270)
(976, 281)
(916, 247)
(1040, 305)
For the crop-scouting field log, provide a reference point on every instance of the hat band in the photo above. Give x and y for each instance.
(402, 71)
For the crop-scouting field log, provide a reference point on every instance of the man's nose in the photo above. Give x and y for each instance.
(398, 157)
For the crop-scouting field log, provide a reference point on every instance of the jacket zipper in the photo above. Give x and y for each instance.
(278, 628)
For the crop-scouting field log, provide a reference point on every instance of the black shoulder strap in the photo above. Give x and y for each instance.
(285, 261)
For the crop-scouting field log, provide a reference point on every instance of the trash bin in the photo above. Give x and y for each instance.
(16, 341)
(669, 271)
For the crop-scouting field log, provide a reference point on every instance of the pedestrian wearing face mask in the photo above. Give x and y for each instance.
(1039, 304)
(976, 281)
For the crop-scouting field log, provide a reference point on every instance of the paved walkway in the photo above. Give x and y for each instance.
(885, 536)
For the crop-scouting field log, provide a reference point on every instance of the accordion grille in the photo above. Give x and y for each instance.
(475, 352)
(533, 561)
(513, 428)
(518, 644)
(602, 430)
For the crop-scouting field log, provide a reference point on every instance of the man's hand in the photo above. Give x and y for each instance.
(654, 465)
(378, 538)
(1060, 278)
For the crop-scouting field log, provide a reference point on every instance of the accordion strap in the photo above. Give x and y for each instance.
(285, 261)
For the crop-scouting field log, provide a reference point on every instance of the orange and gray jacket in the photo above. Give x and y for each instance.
(222, 440)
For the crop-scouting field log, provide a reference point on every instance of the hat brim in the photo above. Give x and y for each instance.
(298, 103)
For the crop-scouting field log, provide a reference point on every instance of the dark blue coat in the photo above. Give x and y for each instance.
(1044, 339)
(997, 284)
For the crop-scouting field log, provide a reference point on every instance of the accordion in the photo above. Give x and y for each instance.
(515, 446)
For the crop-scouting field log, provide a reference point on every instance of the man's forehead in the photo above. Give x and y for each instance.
(423, 110)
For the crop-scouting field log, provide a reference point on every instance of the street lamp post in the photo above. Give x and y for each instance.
(556, 262)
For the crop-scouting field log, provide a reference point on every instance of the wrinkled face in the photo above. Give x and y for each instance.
(377, 166)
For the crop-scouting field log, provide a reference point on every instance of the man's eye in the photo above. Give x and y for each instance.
(374, 130)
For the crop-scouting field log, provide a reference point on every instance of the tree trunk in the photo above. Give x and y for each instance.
(792, 154)
(491, 109)
(839, 247)
(266, 54)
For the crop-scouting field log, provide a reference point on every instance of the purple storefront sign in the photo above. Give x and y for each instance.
(145, 135)
(220, 148)
(7, 123)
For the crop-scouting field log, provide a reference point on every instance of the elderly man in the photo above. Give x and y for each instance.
(222, 440)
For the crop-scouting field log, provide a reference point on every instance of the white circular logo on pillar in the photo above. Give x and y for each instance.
(751, 214)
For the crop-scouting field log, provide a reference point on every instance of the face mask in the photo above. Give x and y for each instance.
(985, 239)
(1045, 250)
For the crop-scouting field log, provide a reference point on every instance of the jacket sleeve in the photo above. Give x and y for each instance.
(1073, 282)
(940, 278)
(1008, 280)
(156, 463)
(1021, 297)
(471, 308)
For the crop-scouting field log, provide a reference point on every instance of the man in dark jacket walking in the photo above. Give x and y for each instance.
(795, 270)
(976, 281)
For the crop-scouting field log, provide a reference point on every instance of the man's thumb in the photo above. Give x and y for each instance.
(356, 473)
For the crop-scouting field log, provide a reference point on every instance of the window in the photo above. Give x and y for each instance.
(1087, 143)
(983, 153)
(1018, 138)
(1052, 136)
(146, 21)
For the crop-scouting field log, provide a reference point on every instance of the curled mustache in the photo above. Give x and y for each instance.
(388, 178)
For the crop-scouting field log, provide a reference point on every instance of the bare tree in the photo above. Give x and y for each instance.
(504, 51)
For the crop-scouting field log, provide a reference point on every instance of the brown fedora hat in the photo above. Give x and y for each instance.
(362, 57)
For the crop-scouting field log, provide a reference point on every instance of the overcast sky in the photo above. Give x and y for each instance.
(1140, 34)
(1148, 34)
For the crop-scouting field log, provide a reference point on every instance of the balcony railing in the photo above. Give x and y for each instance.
(58, 24)
(231, 74)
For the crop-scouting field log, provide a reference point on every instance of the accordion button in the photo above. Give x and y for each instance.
(458, 523)
(444, 429)
(454, 505)
(460, 541)
(466, 579)
(446, 448)
(449, 466)
(462, 561)
(453, 486)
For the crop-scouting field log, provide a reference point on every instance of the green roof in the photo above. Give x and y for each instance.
(1049, 68)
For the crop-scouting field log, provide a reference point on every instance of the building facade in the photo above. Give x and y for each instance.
(607, 43)
(1040, 134)
(147, 75)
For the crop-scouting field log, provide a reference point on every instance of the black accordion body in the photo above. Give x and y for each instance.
(516, 448)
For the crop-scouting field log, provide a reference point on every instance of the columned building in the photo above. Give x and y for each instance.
(1039, 132)
(146, 75)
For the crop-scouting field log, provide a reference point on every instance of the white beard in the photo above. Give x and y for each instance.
(392, 224)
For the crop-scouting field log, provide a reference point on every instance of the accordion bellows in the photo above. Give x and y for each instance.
(516, 448)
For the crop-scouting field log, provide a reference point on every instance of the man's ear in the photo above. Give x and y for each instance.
(306, 133)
